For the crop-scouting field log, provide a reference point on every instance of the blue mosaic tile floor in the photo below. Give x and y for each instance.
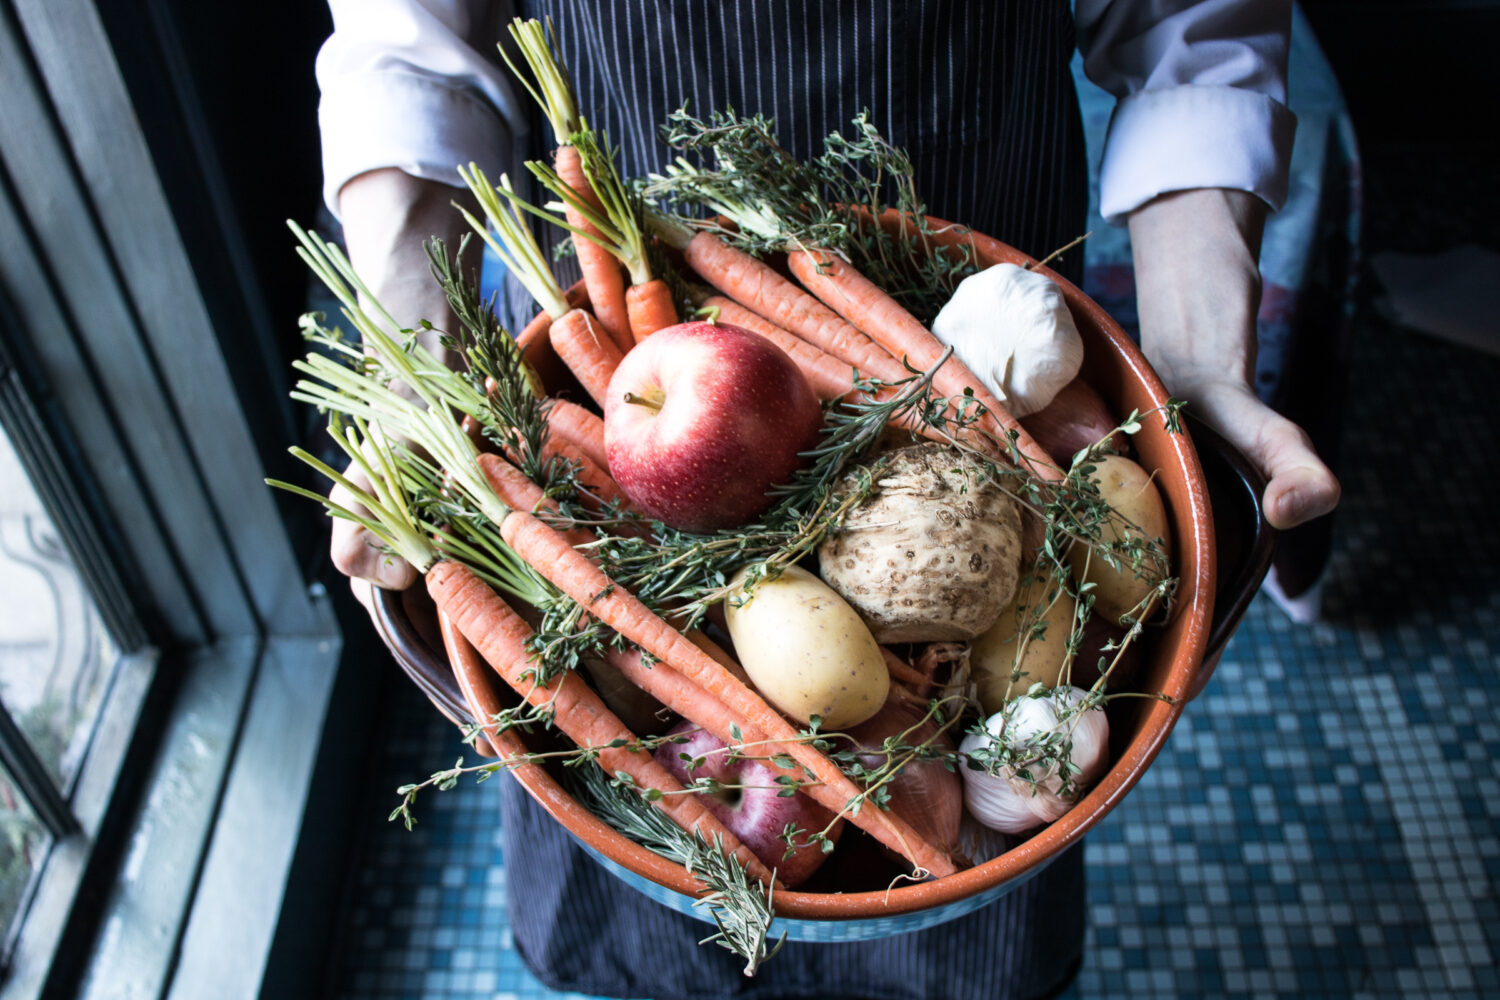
(1324, 822)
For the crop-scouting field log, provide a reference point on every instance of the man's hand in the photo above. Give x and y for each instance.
(388, 216)
(1198, 290)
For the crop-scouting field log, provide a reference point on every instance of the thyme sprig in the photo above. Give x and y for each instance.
(525, 718)
(777, 202)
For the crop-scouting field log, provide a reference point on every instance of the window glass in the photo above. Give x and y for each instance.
(56, 658)
(23, 847)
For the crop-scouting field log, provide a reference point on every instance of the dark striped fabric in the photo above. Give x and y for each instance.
(981, 97)
(581, 929)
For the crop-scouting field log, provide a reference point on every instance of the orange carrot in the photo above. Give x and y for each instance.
(472, 681)
(719, 653)
(650, 307)
(587, 351)
(550, 555)
(690, 701)
(829, 377)
(590, 475)
(687, 699)
(860, 301)
(756, 285)
(501, 637)
(508, 481)
(904, 672)
(601, 271)
(579, 426)
(597, 486)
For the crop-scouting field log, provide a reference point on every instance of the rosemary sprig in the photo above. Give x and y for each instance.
(741, 908)
(515, 412)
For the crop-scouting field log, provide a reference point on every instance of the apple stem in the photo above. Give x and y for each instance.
(709, 313)
(632, 398)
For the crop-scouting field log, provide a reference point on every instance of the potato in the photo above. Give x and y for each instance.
(807, 650)
(1127, 488)
(993, 655)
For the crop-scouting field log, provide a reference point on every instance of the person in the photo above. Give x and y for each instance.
(981, 96)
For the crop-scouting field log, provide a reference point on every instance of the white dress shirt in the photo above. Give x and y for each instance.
(418, 85)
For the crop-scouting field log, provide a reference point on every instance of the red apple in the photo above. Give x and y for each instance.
(750, 802)
(701, 419)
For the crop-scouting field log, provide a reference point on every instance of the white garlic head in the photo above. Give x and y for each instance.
(1013, 329)
(1041, 732)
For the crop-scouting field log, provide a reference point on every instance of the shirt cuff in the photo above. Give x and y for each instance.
(421, 126)
(1194, 136)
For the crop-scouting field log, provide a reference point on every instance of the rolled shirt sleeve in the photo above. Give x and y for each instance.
(417, 85)
(1202, 96)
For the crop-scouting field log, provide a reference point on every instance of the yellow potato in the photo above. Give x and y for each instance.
(993, 655)
(807, 651)
(1127, 488)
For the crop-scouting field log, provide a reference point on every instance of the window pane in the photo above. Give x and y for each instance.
(23, 847)
(55, 655)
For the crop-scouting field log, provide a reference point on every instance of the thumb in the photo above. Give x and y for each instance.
(1299, 487)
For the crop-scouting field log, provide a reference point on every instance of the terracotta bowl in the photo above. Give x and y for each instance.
(1178, 657)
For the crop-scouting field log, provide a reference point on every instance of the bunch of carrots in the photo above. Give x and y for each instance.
(513, 555)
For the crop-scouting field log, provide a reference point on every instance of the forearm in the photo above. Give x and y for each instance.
(1198, 283)
(388, 218)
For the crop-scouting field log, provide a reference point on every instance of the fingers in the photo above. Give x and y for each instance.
(1299, 486)
(357, 553)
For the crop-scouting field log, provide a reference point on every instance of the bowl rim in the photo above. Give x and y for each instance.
(1187, 631)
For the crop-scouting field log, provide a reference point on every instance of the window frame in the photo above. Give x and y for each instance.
(152, 459)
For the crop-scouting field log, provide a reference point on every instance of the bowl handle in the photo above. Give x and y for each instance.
(1246, 539)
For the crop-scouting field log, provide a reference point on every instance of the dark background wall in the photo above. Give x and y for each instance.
(228, 102)
(1415, 71)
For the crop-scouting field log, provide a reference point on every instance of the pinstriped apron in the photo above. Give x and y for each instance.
(980, 96)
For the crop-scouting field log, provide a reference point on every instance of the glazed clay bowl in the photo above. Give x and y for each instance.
(1174, 665)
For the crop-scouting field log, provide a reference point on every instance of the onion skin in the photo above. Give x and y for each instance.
(925, 794)
(1076, 418)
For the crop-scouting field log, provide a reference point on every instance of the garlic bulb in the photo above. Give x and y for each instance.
(1037, 729)
(1014, 331)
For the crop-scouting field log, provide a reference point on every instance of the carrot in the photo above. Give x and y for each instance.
(601, 271)
(509, 481)
(551, 556)
(719, 654)
(483, 705)
(690, 701)
(860, 301)
(903, 671)
(598, 488)
(587, 351)
(501, 637)
(651, 308)
(829, 377)
(583, 429)
(590, 475)
(756, 285)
